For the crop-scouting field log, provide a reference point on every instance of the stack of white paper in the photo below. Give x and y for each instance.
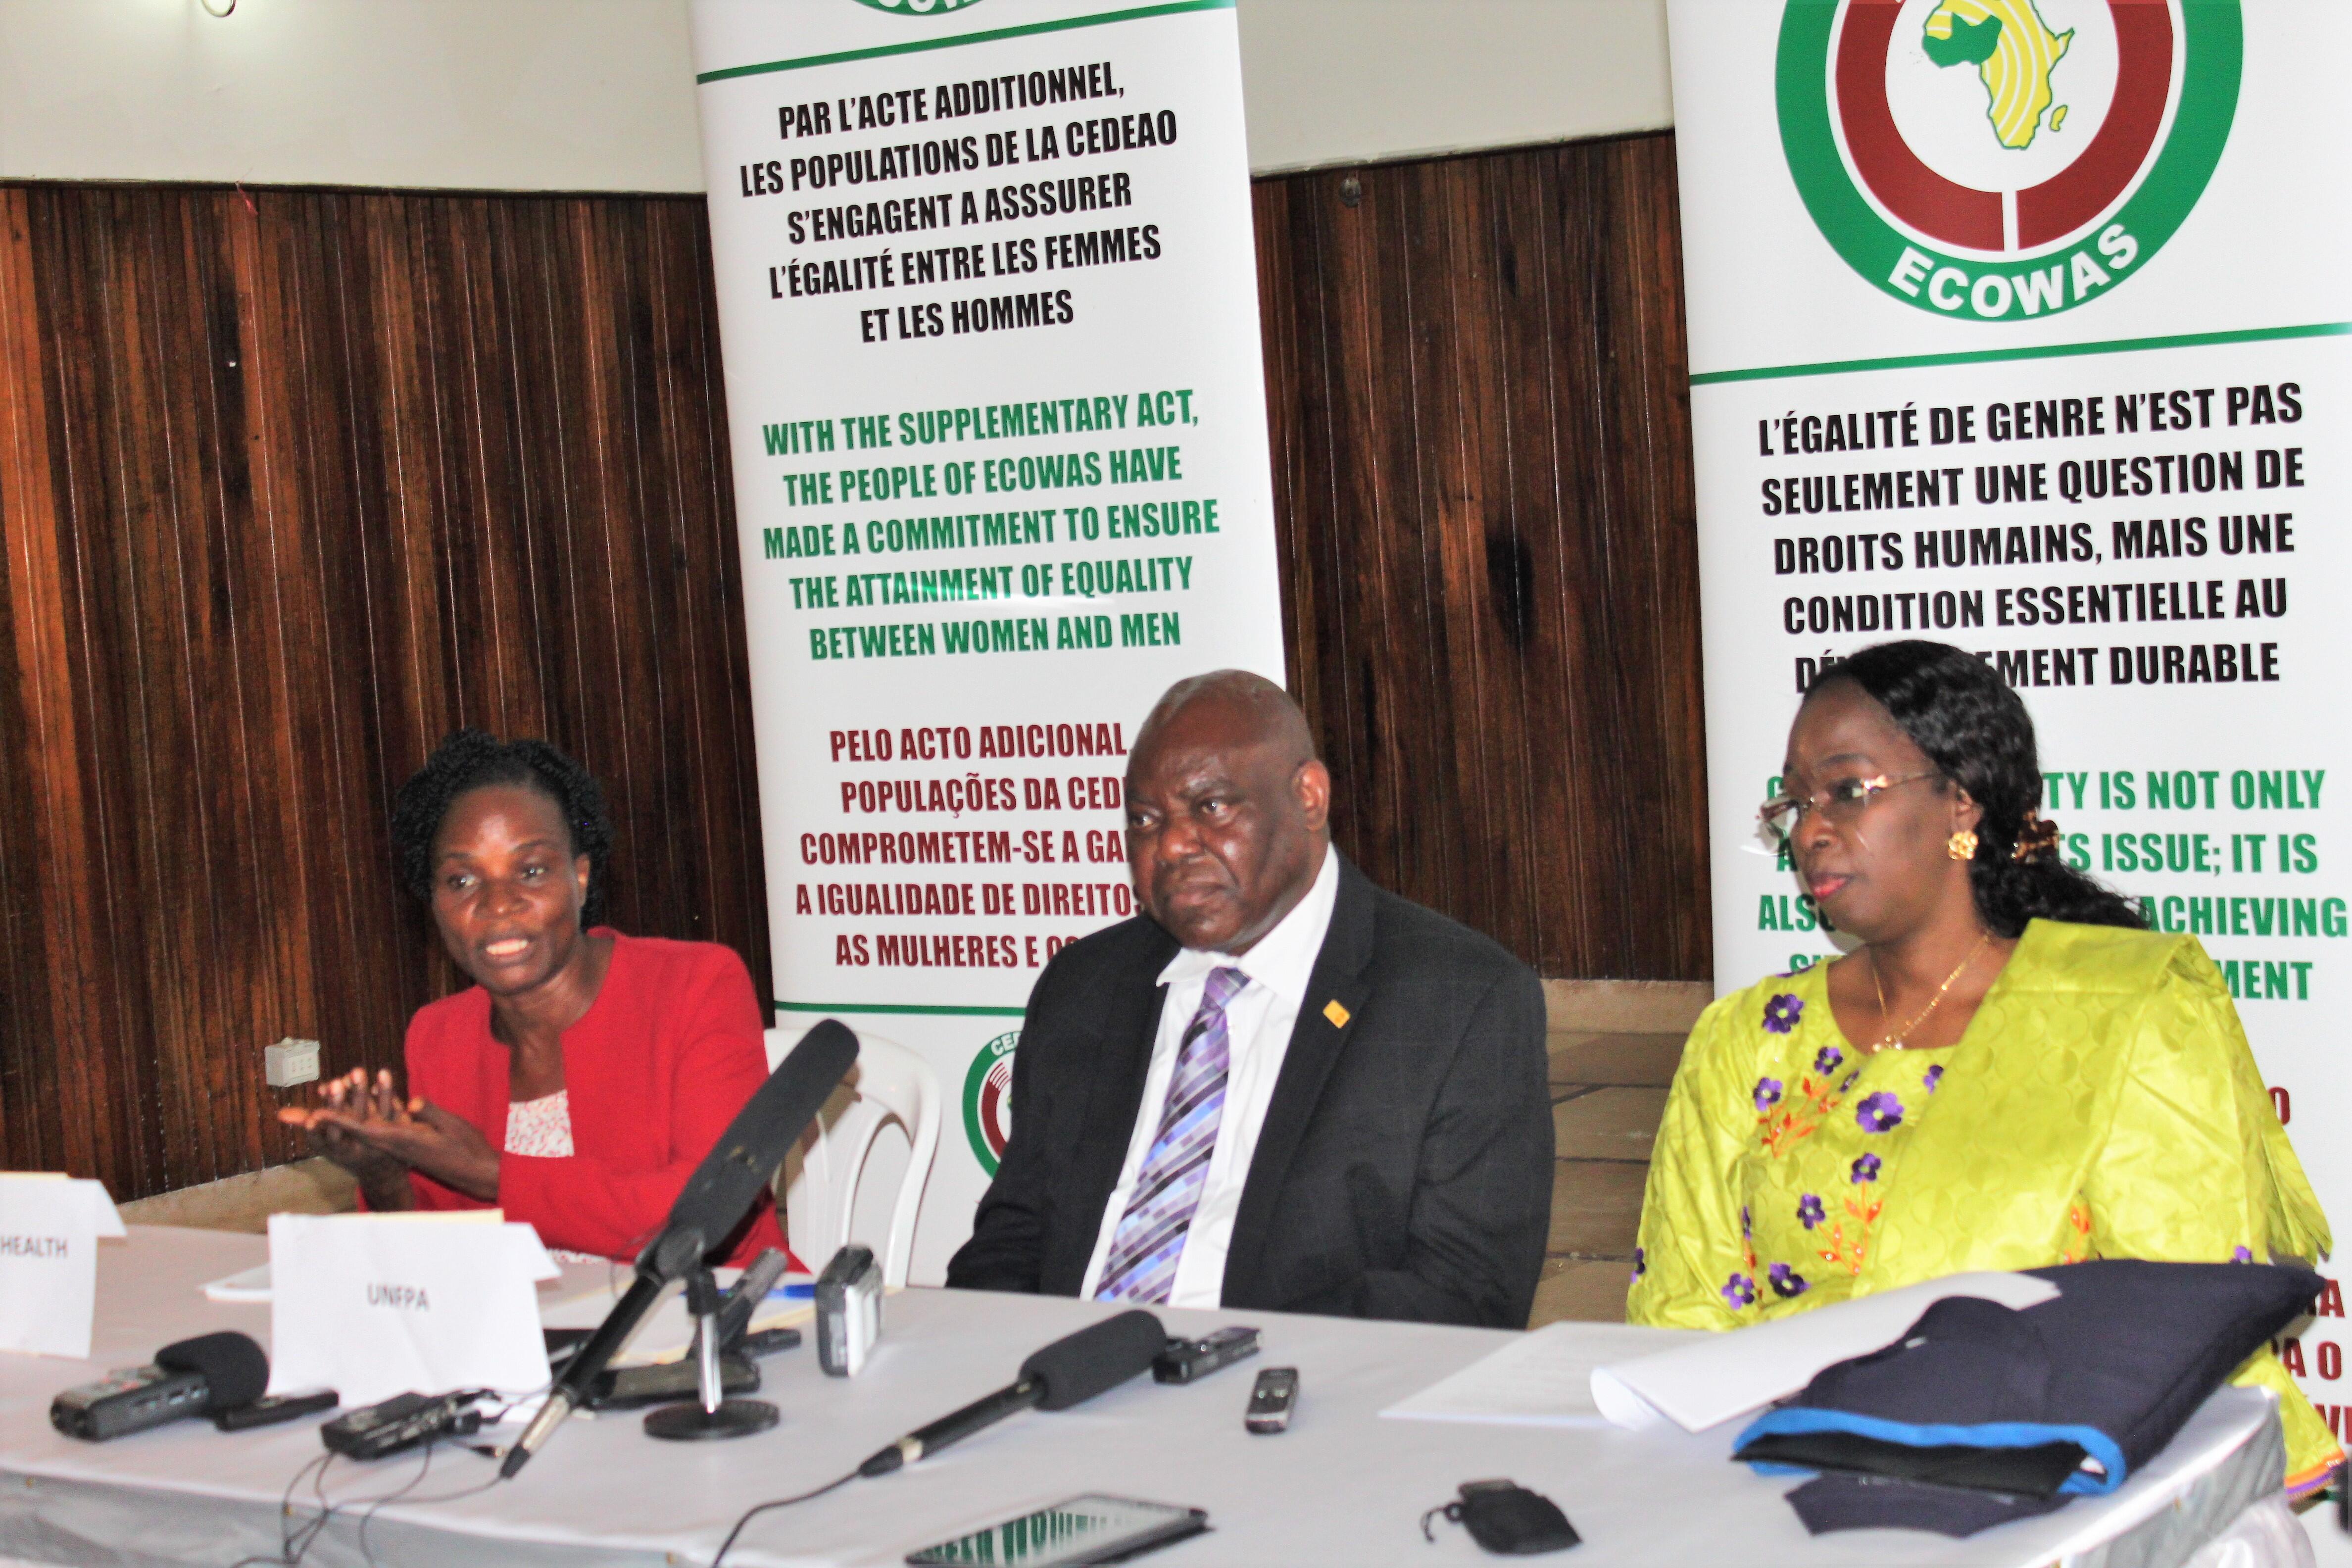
(1583, 1373)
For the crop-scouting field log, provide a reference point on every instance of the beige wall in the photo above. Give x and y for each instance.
(1335, 81)
(488, 94)
(598, 94)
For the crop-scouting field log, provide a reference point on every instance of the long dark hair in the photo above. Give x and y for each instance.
(1976, 731)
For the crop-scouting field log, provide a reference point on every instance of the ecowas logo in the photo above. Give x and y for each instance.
(920, 7)
(987, 1100)
(2000, 159)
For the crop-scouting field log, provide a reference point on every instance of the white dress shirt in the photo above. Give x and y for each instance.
(1258, 1022)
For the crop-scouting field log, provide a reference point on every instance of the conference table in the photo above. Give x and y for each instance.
(1344, 1485)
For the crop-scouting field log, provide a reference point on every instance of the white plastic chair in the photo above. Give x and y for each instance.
(819, 1184)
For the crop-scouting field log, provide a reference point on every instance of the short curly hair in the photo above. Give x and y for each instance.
(470, 759)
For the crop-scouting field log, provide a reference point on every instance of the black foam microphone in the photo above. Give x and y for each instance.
(1070, 1371)
(190, 1377)
(719, 1193)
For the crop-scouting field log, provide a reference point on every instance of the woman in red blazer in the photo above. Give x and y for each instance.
(583, 1076)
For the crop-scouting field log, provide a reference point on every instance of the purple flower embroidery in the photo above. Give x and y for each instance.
(1810, 1212)
(1825, 1061)
(1880, 1113)
(1641, 1263)
(1748, 1231)
(1739, 1290)
(1866, 1168)
(1781, 1012)
(1768, 1094)
(1786, 1281)
(2241, 1255)
(1935, 1076)
(1847, 1082)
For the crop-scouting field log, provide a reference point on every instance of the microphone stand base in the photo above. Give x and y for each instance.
(689, 1422)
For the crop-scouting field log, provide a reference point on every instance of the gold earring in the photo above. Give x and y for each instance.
(1961, 845)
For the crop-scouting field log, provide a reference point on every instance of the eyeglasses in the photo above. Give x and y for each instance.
(1841, 803)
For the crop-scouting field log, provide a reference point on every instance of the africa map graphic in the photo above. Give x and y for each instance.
(2013, 50)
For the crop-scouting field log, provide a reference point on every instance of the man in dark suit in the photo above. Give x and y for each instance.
(1281, 1087)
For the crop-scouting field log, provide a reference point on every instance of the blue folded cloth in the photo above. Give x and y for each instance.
(2063, 1398)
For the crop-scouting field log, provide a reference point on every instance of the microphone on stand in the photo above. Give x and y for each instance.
(1070, 1371)
(717, 1197)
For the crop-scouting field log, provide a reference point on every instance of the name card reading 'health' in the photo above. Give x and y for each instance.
(49, 1230)
(374, 1305)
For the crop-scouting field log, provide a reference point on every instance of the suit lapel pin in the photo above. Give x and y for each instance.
(1337, 1014)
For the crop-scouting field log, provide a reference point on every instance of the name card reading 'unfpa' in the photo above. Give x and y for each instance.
(374, 1305)
(50, 1229)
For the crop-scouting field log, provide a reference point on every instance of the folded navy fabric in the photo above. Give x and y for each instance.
(2062, 1399)
(1830, 1502)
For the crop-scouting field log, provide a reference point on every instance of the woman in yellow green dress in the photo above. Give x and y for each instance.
(2010, 1072)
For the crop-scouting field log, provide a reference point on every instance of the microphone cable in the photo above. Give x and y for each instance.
(287, 1550)
(758, 1509)
(295, 1542)
(413, 1482)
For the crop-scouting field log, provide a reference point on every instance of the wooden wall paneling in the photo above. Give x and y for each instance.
(625, 638)
(328, 381)
(631, 473)
(82, 340)
(1368, 452)
(644, 450)
(1635, 516)
(1488, 564)
(209, 1124)
(272, 598)
(1530, 564)
(719, 763)
(1481, 454)
(420, 416)
(1595, 761)
(290, 484)
(1403, 324)
(45, 918)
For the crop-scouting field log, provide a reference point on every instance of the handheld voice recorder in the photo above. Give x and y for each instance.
(848, 1310)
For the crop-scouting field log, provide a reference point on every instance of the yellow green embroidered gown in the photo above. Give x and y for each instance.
(2102, 1103)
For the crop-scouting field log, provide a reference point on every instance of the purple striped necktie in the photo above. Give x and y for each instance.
(1144, 1249)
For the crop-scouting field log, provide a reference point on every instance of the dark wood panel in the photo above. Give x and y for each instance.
(1478, 394)
(290, 484)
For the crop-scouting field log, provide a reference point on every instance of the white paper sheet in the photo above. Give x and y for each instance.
(374, 1305)
(1542, 1379)
(49, 1228)
(1718, 1377)
(246, 1285)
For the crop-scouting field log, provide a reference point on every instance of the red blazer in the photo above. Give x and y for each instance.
(662, 1061)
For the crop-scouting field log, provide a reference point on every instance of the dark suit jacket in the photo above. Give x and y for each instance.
(1405, 1166)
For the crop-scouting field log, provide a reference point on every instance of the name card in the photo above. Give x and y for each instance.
(50, 1229)
(371, 1305)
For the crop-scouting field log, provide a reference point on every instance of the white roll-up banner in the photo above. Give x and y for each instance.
(988, 308)
(2019, 324)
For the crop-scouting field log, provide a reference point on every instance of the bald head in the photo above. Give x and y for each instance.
(1254, 708)
(1227, 810)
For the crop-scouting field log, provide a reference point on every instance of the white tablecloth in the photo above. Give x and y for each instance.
(1343, 1486)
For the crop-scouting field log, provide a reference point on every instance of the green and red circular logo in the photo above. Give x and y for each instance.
(1997, 160)
(987, 1100)
(920, 7)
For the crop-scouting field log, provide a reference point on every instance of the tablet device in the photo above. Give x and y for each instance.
(1076, 1531)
